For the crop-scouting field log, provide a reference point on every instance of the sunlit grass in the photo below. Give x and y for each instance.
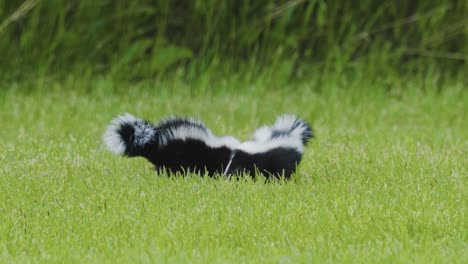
(384, 180)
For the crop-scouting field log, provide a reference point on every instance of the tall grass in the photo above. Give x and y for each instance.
(144, 38)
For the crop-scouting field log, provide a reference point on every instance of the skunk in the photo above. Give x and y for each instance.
(175, 144)
(273, 150)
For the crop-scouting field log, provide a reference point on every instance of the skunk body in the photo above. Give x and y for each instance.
(175, 144)
(273, 150)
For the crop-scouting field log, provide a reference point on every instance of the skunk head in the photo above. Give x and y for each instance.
(128, 135)
(273, 150)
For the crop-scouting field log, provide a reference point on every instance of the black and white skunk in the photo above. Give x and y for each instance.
(175, 144)
(273, 150)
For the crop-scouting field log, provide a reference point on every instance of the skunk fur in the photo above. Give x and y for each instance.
(175, 144)
(273, 150)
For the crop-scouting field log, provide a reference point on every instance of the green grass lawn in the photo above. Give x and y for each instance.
(383, 181)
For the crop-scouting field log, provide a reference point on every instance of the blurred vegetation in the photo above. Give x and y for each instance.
(143, 38)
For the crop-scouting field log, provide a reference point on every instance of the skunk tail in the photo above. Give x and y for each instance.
(294, 126)
(129, 136)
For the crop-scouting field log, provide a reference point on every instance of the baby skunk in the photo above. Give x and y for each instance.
(175, 144)
(273, 150)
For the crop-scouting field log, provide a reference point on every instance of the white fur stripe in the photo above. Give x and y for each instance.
(254, 147)
(188, 131)
(229, 164)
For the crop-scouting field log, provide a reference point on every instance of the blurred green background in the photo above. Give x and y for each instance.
(143, 39)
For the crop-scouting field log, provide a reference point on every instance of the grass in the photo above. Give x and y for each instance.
(145, 38)
(384, 181)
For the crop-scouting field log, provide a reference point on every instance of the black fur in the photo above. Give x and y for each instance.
(159, 145)
(278, 162)
(189, 156)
